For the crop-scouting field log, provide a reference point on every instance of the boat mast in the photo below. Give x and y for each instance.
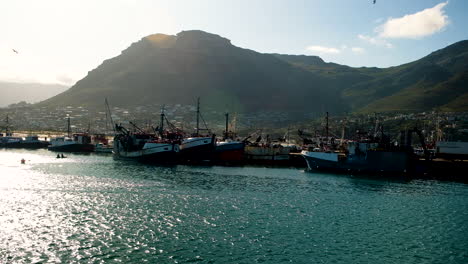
(227, 125)
(343, 130)
(107, 123)
(326, 127)
(161, 124)
(7, 126)
(108, 112)
(68, 126)
(198, 116)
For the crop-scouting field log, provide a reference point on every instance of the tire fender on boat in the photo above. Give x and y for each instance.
(175, 147)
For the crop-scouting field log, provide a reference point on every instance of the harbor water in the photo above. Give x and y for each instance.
(94, 209)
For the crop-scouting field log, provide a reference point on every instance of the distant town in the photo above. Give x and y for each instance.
(27, 117)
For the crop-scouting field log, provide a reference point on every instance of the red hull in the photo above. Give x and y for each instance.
(230, 156)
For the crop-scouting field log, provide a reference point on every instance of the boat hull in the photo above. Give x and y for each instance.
(26, 145)
(197, 149)
(72, 148)
(151, 153)
(373, 162)
(271, 155)
(229, 152)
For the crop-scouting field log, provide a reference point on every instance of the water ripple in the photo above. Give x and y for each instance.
(92, 209)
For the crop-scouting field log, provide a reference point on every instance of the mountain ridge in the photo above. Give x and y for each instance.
(176, 69)
(12, 92)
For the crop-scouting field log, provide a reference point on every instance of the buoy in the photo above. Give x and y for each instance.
(23, 161)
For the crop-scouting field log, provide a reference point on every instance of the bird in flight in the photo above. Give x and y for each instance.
(15, 51)
(375, 1)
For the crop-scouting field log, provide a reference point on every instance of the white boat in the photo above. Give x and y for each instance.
(102, 148)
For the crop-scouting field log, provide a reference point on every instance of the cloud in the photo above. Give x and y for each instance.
(358, 50)
(377, 41)
(379, 20)
(322, 49)
(417, 25)
(65, 79)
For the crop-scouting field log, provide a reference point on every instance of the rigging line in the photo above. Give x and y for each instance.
(206, 126)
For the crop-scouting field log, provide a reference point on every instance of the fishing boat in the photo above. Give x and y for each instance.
(101, 142)
(7, 140)
(29, 142)
(78, 142)
(275, 153)
(360, 157)
(264, 151)
(370, 154)
(197, 147)
(10, 141)
(228, 150)
(147, 147)
(452, 150)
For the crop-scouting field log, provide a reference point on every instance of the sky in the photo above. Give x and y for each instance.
(59, 41)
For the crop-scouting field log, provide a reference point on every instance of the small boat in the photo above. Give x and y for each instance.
(101, 144)
(102, 148)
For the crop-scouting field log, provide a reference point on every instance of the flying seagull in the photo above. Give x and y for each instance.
(15, 51)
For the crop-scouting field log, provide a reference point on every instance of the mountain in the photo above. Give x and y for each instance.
(437, 81)
(12, 93)
(165, 69)
(177, 69)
